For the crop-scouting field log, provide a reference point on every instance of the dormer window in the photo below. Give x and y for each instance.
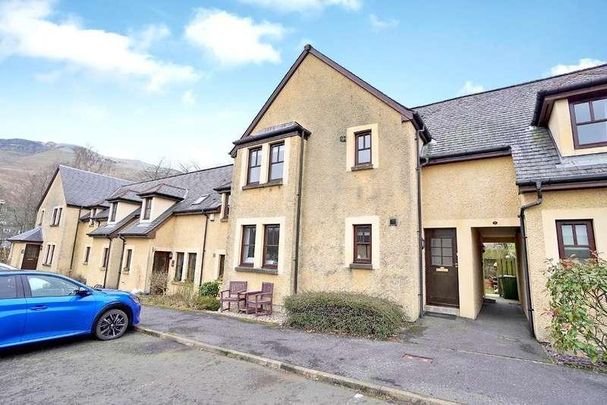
(113, 209)
(589, 122)
(147, 208)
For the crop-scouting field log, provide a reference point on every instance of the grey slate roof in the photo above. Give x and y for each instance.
(503, 117)
(82, 188)
(33, 235)
(110, 229)
(166, 190)
(200, 195)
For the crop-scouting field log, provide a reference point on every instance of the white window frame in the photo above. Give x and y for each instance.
(50, 253)
(57, 214)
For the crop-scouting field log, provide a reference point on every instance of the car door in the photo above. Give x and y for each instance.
(54, 308)
(12, 309)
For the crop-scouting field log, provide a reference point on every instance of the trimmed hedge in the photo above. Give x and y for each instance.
(345, 313)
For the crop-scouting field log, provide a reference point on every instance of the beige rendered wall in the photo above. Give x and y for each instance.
(141, 261)
(542, 238)
(331, 106)
(562, 132)
(15, 256)
(467, 195)
(82, 241)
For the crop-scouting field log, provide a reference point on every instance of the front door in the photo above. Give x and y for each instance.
(442, 287)
(160, 273)
(30, 257)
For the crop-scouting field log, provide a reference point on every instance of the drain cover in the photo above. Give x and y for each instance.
(417, 358)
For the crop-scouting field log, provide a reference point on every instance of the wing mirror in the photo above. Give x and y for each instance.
(83, 292)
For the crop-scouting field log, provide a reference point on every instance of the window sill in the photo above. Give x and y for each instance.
(102, 268)
(177, 282)
(46, 264)
(85, 263)
(245, 269)
(224, 219)
(361, 266)
(362, 167)
(125, 272)
(54, 225)
(263, 185)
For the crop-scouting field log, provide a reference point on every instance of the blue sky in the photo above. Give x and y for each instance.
(149, 79)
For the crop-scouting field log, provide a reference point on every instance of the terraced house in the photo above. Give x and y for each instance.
(336, 186)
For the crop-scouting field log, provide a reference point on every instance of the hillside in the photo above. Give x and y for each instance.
(21, 158)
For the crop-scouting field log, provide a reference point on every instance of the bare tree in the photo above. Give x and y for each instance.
(188, 167)
(24, 207)
(86, 158)
(160, 169)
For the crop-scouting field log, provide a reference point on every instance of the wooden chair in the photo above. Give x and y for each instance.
(236, 293)
(260, 302)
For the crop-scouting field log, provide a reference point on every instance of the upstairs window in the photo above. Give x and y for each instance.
(589, 121)
(147, 208)
(113, 209)
(362, 244)
(277, 159)
(247, 255)
(57, 216)
(575, 238)
(41, 217)
(363, 148)
(254, 166)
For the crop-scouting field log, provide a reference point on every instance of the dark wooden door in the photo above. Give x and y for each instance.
(442, 287)
(30, 257)
(160, 272)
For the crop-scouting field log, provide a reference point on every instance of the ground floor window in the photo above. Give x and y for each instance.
(106, 257)
(270, 246)
(50, 252)
(179, 266)
(248, 245)
(362, 244)
(575, 238)
(191, 267)
(87, 254)
(127, 261)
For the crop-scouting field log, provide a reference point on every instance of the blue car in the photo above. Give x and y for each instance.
(37, 306)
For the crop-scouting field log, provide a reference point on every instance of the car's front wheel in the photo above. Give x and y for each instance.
(112, 324)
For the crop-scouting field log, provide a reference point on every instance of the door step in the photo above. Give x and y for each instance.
(442, 310)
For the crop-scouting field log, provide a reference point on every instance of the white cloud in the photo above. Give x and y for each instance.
(234, 40)
(378, 24)
(583, 63)
(470, 88)
(304, 5)
(188, 98)
(151, 34)
(26, 30)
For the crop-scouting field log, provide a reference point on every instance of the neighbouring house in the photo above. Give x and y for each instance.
(336, 186)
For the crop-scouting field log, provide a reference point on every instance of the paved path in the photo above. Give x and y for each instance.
(140, 369)
(481, 361)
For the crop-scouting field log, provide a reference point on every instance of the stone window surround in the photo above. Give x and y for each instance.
(351, 146)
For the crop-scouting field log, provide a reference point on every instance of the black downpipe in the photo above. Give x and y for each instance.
(121, 259)
(204, 246)
(298, 215)
(538, 201)
(75, 239)
(420, 236)
(107, 266)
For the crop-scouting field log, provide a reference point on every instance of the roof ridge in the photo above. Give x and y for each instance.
(89, 172)
(511, 86)
(180, 174)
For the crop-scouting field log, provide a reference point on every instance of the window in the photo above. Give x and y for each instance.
(179, 266)
(575, 238)
(41, 217)
(50, 252)
(113, 209)
(222, 265)
(127, 260)
(8, 287)
(362, 244)
(363, 148)
(87, 254)
(441, 250)
(106, 257)
(56, 216)
(248, 245)
(225, 205)
(49, 286)
(147, 208)
(191, 267)
(277, 159)
(270, 246)
(254, 166)
(589, 119)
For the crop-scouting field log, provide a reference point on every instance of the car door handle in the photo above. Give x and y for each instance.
(39, 308)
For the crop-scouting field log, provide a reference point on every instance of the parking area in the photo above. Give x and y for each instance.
(139, 369)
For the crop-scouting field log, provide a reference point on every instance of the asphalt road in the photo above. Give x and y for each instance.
(142, 369)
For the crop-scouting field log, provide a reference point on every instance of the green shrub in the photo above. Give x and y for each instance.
(204, 302)
(578, 305)
(209, 289)
(347, 313)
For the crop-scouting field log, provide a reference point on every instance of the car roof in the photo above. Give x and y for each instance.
(25, 272)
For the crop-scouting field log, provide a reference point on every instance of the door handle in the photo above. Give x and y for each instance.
(39, 308)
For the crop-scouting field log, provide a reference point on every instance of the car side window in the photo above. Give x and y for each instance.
(48, 286)
(8, 287)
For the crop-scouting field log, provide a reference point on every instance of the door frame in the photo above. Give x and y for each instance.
(37, 246)
(428, 265)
